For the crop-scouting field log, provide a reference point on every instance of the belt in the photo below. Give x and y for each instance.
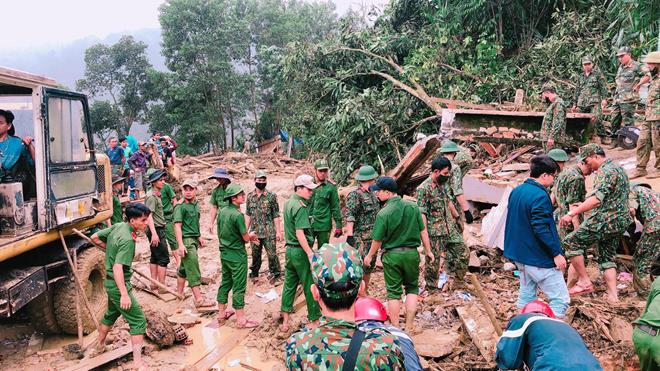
(294, 247)
(400, 248)
(653, 331)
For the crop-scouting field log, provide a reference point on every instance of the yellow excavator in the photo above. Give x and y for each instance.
(68, 186)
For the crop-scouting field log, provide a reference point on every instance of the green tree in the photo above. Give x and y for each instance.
(121, 74)
(104, 117)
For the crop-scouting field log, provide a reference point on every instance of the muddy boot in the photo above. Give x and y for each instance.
(639, 173)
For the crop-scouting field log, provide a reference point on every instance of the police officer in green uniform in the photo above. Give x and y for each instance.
(629, 78)
(553, 128)
(299, 238)
(119, 244)
(399, 229)
(218, 200)
(644, 205)
(361, 208)
(324, 205)
(160, 255)
(435, 204)
(117, 188)
(608, 203)
(233, 257)
(262, 215)
(186, 229)
(168, 198)
(646, 332)
(337, 274)
(591, 97)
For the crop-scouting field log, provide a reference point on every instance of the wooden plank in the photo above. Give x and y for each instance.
(92, 363)
(220, 351)
(480, 329)
(416, 156)
(488, 148)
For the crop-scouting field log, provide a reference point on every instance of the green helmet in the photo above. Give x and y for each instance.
(337, 262)
(449, 147)
(232, 190)
(558, 155)
(365, 173)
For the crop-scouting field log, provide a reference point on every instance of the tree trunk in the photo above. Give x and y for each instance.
(231, 124)
(252, 89)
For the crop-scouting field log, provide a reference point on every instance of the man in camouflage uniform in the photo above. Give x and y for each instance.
(451, 151)
(553, 128)
(645, 206)
(437, 209)
(629, 77)
(337, 275)
(591, 96)
(362, 206)
(324, 205)
(263, 217)
(649, 136)
(608, 203)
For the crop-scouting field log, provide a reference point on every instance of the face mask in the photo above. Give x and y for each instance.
(260, 186)
(442, 179)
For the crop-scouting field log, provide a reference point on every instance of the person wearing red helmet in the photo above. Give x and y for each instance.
(541, 342)
(371, 314)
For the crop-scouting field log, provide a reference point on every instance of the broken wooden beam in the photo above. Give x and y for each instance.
(416, 156)
(92, 363)
(480, 329)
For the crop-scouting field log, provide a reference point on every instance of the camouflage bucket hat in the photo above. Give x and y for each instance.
(548, 87)
(448, 147)
(589, 150)
(365, 173)
(337, 262)
(233, 190)
(587, 59)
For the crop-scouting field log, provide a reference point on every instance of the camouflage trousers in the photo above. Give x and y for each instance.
(649, 141)
(622, 113)
(603, 128)
(456, 256)
(578, 242)
(363, 247)
(646, 253)
(270, 246)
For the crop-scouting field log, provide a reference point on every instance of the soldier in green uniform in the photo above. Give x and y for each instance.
(591, 97)
(160, 255)
(299, 238)
(186, 229)
(649, 136)
(337, 274)
(451, 151)
(324, 205)
(399, 229)
(119, 244)
(645, 206)
(117, 189)
(218, 200)
(608, 203)
(647, 327)
(262, 215)
(629, 77)
(553, 128)
(362, 206)
(168, 198)
(435, 204)
(233, 257)
(568, 192)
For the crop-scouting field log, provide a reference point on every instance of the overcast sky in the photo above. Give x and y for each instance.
(40, 24)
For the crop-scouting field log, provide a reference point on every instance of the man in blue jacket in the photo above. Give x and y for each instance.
(531, 239)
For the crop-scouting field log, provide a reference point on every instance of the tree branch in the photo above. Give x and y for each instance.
(460, 72)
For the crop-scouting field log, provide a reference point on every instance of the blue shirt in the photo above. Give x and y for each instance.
(11, 150)
(543, 343)
(115, 155)
(530, 235)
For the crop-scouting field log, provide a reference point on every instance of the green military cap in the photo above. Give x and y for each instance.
(623, 50)
(589, 150)
(261, 174)
(449, 146)
(365, 173)
(321, 165)
(334, 263)
(558, 155)
(587, 59)
(548, 87)
(116, 179)
(232, 190)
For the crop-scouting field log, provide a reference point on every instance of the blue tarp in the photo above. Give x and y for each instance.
(285, 138)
